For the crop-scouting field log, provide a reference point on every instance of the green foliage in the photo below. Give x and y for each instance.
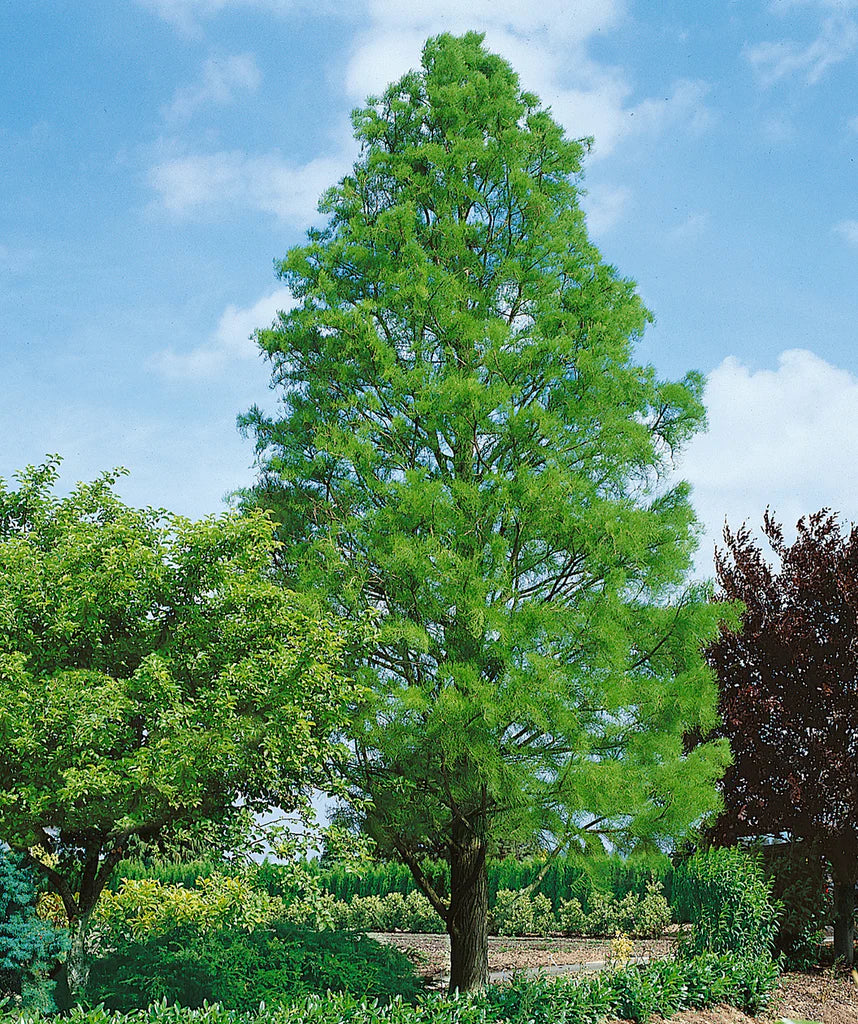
(144, 907)
(644, 916)
(29, 947)
(566, 876)
(276, 964)
(168, 872)
(634, 993)
(724, 893)
(152, 674)
(393, 912)
(468, 447)
(519, 913)
(798, 876)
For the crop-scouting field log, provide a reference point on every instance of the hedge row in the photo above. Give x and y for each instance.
(566, 877)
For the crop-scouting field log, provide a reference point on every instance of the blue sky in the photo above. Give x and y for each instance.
(156, 156)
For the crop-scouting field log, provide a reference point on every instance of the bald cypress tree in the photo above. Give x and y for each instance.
(468, 448)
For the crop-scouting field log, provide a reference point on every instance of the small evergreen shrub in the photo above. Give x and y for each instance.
(644, 916)
(29, 947)
(520, 913)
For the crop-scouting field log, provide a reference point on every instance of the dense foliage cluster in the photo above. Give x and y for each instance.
(725, 895)
(240, 969)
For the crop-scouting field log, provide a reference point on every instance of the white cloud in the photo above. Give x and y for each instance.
(547, 46)
(837, 40)
(784, 438)
(187, 14)
(263, 182)
(230, 341)
(848, 230)
(221, 79)
(604, 206)
(575, 21)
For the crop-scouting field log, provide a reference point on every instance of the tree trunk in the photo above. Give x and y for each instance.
(468, 920)
(844, 870)
(74, 974)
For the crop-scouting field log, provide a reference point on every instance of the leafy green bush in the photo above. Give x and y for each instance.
(146, 906)
(393, 912)
(728, 900)
(29, 947)
(571, 918)
(798, 875)
(240, 970)
(652, 914)
(644, 916)
(520, 913)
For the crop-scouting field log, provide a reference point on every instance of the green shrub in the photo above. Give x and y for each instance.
(240, 970)
(520, 913)
(29, 947)
(635, 993)
(146, 906)
(652, 914)
(393, 912)
(168, 872)
(604, 917)
(728, 902)
(571, 918)
(798, 875)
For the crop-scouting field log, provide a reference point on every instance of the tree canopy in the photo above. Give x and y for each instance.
(152, 673)
(788, 681)
(468, 450)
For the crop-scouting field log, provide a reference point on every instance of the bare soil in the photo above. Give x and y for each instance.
(430, 954)
(821, 997)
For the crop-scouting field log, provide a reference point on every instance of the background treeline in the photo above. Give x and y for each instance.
(570, 877)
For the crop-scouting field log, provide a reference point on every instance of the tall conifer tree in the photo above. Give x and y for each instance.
(467, 447)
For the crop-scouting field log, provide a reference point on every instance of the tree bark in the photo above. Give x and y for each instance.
(844, 872)
(468, 918)
(74, 974)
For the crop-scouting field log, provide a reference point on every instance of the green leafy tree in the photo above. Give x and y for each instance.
(468, 449)
(152, 673)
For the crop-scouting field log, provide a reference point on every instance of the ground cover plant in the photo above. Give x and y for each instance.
(636, 993)
(467, 448)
